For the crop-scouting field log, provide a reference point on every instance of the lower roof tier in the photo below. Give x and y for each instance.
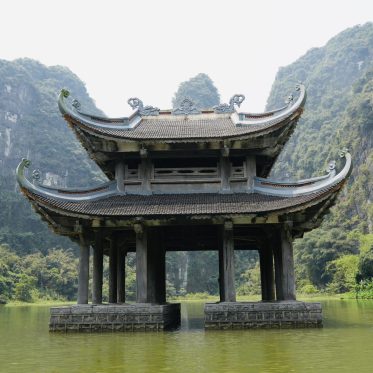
(304, 202)
(178, 204)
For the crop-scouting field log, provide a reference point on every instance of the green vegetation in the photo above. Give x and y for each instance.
(38, 276)
(31, 126)
(338, 113)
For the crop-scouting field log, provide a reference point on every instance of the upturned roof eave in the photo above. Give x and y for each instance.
(315, 189)
(256, 125)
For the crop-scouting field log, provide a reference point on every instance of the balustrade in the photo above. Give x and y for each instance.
(185, 173)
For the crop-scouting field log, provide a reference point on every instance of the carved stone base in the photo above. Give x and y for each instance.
(254, 315)
(115, 318)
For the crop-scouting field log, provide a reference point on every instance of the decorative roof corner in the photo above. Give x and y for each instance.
(237, 99)
(73, 110)
(148, 110)
(307, 186)
(291, 107)
(62, 194)
(20, 172)
(187, 107)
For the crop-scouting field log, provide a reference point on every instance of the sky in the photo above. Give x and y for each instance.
(145, 48)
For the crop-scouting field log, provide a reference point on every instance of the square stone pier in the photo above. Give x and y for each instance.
(264, 315)
(115, 317)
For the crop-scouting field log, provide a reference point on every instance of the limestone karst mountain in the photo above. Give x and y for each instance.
(31, 126)
(338, 113)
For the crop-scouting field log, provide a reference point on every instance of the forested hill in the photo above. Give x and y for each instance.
(31, 126)
(338, 113)
(329, 74)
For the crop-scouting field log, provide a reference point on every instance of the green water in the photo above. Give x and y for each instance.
(345, 344)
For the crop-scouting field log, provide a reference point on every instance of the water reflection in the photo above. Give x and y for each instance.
(344, 345)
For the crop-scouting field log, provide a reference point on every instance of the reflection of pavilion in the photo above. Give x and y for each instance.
(181, 180)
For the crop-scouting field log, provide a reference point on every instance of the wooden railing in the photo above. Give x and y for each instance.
(190, 172)
(185, 173)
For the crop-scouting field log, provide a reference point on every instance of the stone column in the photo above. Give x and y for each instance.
(113, 272)
(226, 264)
(83, 282)
(141, 264)
(97, 269)
(266, 274)
(225, 171)
(284, 266)
(250, 171)
(119, 176)
(288, 277)
(150, 266)
(121, 276)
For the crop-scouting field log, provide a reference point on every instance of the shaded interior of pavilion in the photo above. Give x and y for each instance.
(146, 247)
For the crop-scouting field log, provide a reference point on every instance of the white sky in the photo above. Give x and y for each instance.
(122, 49)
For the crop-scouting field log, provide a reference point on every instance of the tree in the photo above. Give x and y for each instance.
(200, 89)
(343, 272)
(366, 266)
(24, 288)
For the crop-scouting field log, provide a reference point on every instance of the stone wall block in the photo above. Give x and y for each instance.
(117, 318)
(284, 314)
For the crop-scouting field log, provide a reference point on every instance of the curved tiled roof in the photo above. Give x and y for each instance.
(169, 127)
(178, 204)
(266, 197)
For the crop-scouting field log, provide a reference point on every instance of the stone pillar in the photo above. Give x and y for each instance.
(284, 266)
(226, 264)
(119, 176)
(266, 274)
(141, 264)
(225, 171)
(83, 282)
(113, 272)
(288, 277)
(121, 276)
(278, 272)
(97, 269)
(250, 171)
(150, 266)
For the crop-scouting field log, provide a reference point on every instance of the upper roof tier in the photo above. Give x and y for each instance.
(186, 123)
(185, 129)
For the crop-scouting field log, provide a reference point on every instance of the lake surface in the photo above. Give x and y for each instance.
(345, 344)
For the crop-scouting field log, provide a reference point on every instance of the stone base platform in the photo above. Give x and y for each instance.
(254, 315)
(115, 318)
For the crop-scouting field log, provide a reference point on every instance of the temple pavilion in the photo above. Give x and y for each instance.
(185, 179)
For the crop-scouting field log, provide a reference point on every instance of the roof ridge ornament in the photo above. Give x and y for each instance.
(343, 152)
(36, 175)
(148, 110)
(76, 105)
(289, 100)
(237, 99)
(331, 166)
(65, 93)
(187, 107)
